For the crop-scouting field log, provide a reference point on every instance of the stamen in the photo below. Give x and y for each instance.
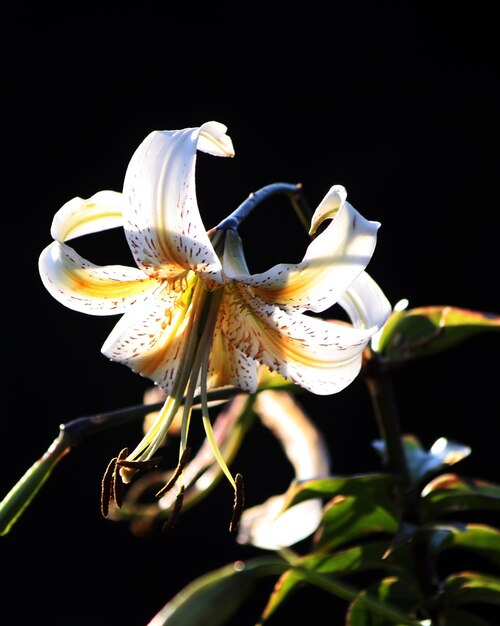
(176, 511)
(177, 472)
(239, 503)
(117, 484)
(107, 487)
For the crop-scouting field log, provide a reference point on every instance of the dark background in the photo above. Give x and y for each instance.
(395, 100)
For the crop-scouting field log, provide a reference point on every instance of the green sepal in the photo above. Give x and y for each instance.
(27, 487)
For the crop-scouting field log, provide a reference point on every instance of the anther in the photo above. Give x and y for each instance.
(176, 511)
(239, 503)
(107, 486)
(117, 485)
(177, 472)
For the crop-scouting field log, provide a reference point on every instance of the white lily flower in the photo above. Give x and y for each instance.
(192, 314)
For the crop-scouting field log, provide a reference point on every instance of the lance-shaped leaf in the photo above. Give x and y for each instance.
(392, 591)
(480, 539)
(449, 493)
(431, 329)
(472, 588)
(359, 505)
(421, 462)
(212, 599)
(355, 559)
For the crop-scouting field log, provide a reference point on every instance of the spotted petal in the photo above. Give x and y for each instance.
(88, 288)
(161, 217)
(332, 261)
(323, 357)
(230, 366)
(150, 337)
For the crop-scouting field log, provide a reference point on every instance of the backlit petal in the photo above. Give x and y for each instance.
(331, 264)
(365, 303)
(82, 216)
(266, 525)
(88, 288)
(150, 337)
(161, 217)
(321, 356)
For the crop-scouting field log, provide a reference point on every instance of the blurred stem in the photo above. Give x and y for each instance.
(380, 387)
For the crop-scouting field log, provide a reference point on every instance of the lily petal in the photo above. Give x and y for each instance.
(323, 357)
(230, 366)
(365, 303)
(161, 218)
(149, 338)
(267, 525)
(82, 216)
(331, 264)
(88, 288)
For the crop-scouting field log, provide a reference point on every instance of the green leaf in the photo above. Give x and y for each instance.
(421, 462)
(478, 538)
(391, 591)
(471, 587)
(449, 493)
(359, 505)
(212, 599)
(373, 485)
(348, 561)
(349, 518)
(431, 329)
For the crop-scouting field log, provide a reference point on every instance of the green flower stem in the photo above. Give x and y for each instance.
(347, 592)
(380, 388)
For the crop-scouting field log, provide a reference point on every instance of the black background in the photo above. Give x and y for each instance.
(394, 100)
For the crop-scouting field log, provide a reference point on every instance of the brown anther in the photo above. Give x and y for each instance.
(239, 503)
(176, 511)
(117, 484)
(107, 487)
(177, 472)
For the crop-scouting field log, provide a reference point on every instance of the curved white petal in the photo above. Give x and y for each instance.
(332, 261)
(365, 303)
(161, 218)
(88, 288)
(150, 337)
(82, 216)
(266, 527)
(321, 356)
